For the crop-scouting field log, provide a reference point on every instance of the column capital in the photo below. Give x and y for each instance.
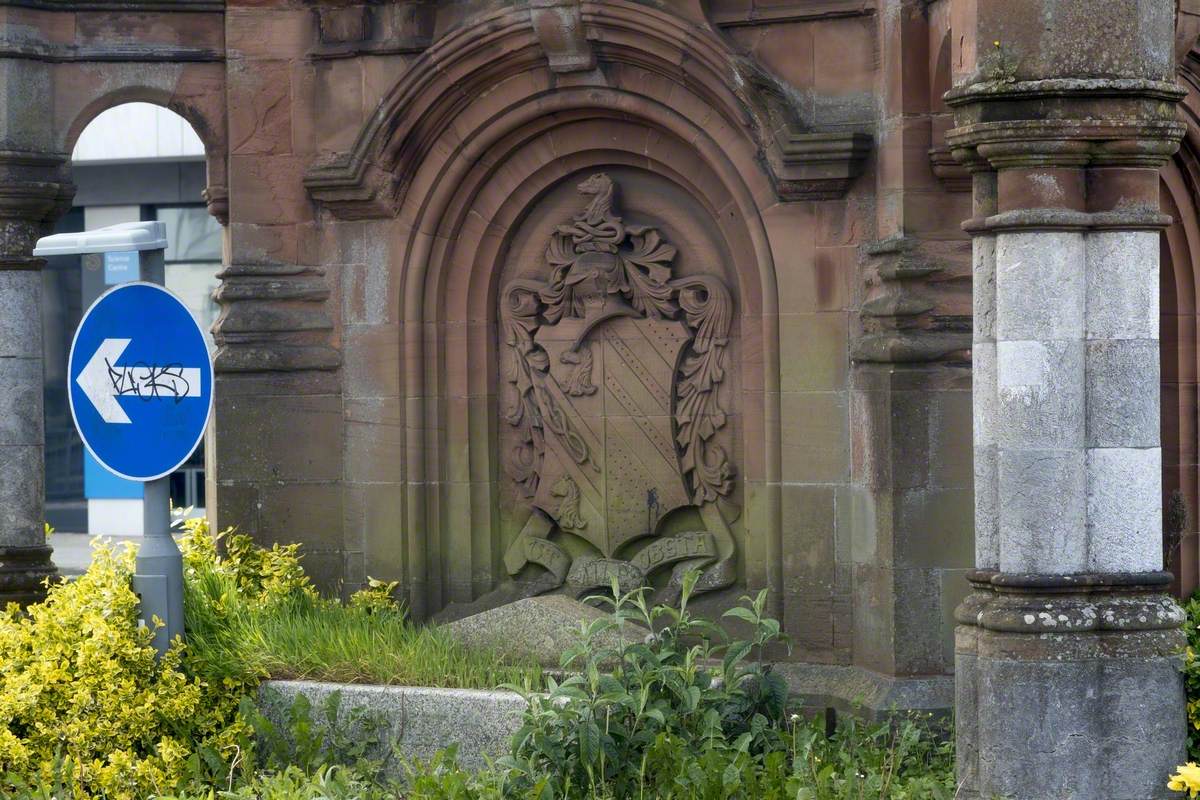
(1066, 153)
(34, 191)
(1066, 122)
(273, 319)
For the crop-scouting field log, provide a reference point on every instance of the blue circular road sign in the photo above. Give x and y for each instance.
(140, 381)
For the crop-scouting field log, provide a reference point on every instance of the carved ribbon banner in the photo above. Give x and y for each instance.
(613, 370)
(695, 548)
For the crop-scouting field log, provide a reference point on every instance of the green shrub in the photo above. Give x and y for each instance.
(687, 686)
(1191, 674)
(85, 705)
(292, 783)
(686, 713)
(339, 740)
(84, 702)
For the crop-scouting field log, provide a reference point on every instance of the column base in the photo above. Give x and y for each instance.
(1069, 687)
(24, 572)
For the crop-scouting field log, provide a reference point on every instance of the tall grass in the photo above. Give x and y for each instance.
(303, 636)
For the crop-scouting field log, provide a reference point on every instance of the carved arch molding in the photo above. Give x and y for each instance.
(680, 255)
(613, 367)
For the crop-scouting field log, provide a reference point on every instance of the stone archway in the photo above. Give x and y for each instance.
(1180, 183)
(466, 182)
(72, 63)
(1179, 379)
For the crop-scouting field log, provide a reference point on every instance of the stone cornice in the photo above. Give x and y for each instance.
(34, 190)
(1060, 219)
(898, 325)
(67, 6)
(799, 11)
(63, 53)
(1063, 87)
(370, 180)
(819, 166)
(34, 186)
(216, 198)
(273, 319)
(952, 174)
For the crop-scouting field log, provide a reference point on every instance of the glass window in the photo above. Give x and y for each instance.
(192, 233)
(193, 259)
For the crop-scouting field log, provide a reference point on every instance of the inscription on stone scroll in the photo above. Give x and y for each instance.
(613, 367)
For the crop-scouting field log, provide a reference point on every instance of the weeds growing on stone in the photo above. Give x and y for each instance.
(305, 636)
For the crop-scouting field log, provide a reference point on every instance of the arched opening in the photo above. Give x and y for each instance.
(1180, 337)
(1178, 331)
(134, 161)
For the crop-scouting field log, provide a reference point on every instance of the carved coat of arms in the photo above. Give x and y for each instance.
(613, 366)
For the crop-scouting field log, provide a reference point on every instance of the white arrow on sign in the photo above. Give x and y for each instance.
(103, 381)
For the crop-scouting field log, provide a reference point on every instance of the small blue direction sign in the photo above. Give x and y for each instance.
(141, 382)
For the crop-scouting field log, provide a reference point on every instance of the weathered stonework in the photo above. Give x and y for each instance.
(403, 226)
(615, 367)
(1068, 641)
(33, 190)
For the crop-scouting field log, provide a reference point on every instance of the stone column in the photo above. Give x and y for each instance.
(1068, 649)
(31, 192)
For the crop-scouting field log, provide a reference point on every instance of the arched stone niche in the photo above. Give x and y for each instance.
(1180, 398)
(619, 370)
(505, 225)
(193, 91)
(475, 156)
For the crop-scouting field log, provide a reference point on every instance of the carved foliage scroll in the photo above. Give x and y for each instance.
(613, 329)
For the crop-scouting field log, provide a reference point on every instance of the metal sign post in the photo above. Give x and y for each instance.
(141, 393)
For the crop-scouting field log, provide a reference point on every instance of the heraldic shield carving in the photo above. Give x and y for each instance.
(613, 369)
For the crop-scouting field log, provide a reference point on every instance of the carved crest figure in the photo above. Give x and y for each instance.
(613, 366)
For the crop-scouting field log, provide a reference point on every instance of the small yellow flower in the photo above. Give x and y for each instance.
(996, 43)
(1186, 778)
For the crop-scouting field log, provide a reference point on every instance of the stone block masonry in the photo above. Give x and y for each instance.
(419, 721)
(1067, 649)
(511, 306)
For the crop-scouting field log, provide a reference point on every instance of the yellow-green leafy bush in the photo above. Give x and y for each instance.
(1187, 777)
(86, 707)
(83, 697)
(261, 576)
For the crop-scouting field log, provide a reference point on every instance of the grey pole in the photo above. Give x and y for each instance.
(158, 572)
(158, 575)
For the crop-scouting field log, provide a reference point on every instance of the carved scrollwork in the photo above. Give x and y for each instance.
(602, 272)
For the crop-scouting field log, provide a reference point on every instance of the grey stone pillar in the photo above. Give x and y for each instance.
(32, 192)
(1068, 650)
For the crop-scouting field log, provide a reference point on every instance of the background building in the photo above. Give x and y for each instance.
(135, 161)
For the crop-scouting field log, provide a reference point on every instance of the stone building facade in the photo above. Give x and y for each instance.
(524, 296)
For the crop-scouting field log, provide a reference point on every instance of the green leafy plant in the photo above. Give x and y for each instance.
(1191, 674)
(84, 701)
(337, 738)
(87, 710)
(687, 683)
(326, 783)
(680, 710)
(689, 712)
